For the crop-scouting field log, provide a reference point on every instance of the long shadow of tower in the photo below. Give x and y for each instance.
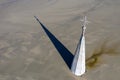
(63, 51)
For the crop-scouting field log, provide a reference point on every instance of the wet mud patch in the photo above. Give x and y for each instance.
(105, 49)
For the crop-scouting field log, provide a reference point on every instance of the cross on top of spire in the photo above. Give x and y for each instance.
(84, 23)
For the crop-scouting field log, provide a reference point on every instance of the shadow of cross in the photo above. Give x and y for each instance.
(63, 51)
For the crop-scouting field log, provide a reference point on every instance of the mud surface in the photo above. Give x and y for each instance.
(27, 53)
